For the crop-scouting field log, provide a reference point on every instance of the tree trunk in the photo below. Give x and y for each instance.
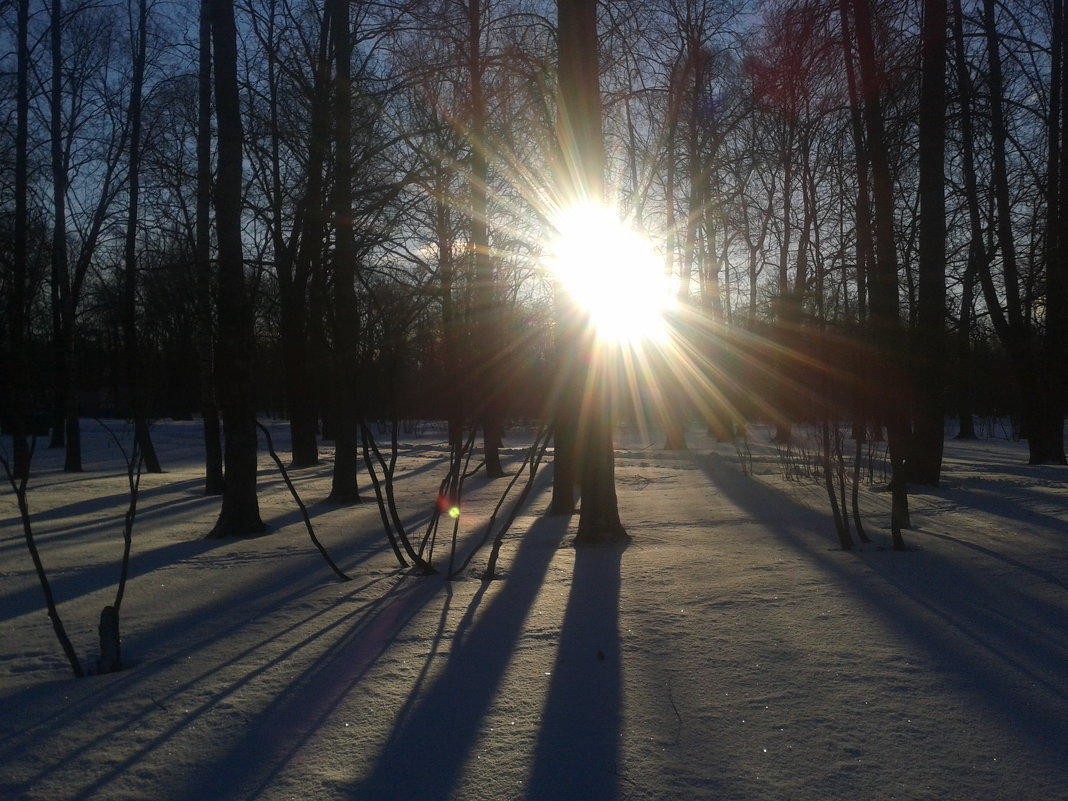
(60, 277)
(209, 408)
(1047, 447)
(240, 513)
(295, 258)
(488, 373)
(18, 377)
(579, 111)
(885, 321)
(343, 487)
(134, 384)
(925, 458)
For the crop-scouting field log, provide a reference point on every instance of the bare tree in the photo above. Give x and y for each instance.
(579, 121)
(925, 457)
(240, 514)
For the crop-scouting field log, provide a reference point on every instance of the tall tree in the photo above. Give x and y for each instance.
(582, 145)
(925, 458)
(240, 512)
(18, 392)
(343, 488)
(486, 312)
(209, 407)
(885, 318)
(134, 373)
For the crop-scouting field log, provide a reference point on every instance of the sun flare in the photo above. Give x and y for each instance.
(612, 273)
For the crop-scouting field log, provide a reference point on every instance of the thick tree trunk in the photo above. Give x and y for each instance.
(925, 458)
(343, 487)
(240, 513)
(579, 111)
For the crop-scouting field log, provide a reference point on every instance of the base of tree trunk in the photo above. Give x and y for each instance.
(347, 497)
(612, 536)
(110, 660)
(230, 526)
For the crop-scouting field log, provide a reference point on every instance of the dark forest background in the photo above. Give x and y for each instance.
(337, 212)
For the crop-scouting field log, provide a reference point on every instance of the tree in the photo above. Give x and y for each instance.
(885, 320)
(134, 372)
(343, 487)
(240, 513)
(214, 481)
(925, 457)
(582, 179)
(18, 295)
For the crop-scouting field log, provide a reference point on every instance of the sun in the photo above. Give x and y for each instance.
(612, 273)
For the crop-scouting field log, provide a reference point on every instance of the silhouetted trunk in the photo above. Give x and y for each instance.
(925, 458)
(17, 391)
(977, 250)
(291, 257)
(134, 383)
(1049, 449)
(209, 408)
(488, 334)
(60, 278)
(66, 428)
(343, 488)
(240, 513)
(579, 121)
(885, 321)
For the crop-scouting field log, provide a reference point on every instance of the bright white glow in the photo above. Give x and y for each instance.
(613, 273)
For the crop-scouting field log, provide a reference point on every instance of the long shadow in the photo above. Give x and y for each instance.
(1003, 645)
(270, 740)
(284, 588)
(577, 755)
(442, 726)
(73, 583)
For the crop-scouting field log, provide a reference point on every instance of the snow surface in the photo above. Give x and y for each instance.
(732, 651)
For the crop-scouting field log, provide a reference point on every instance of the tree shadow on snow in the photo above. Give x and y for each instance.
(577, 756)
(1002, 642)
(438, 729)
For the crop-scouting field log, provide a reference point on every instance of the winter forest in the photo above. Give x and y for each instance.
(498, 350)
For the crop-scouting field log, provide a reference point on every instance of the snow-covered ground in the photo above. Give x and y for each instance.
(731, 652)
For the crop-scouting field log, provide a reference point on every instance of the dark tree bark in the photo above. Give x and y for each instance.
(486, 312)
(343, 488)
(240, 513)
(17, 391)
(60, 277)
(925, 458)
(134, 383)
(977, 250)
(579, 122)
(294, 257)
(209, 407)
(1054, 352)
(885, 319)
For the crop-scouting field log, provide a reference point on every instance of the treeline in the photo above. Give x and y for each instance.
(337, 211)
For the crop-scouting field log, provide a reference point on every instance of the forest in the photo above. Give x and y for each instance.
(776, 289)
(342, 212)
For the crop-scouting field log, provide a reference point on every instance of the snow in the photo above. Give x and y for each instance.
(732, 651)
